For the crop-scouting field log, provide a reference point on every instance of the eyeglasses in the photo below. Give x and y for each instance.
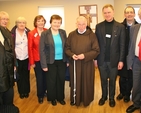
(6, 19)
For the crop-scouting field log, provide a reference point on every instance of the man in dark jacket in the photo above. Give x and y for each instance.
(126, 76)
(6, 62)
(111, 38)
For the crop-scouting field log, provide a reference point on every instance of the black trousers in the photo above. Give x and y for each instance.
(136, 93)
(56, 80)
(9, 109)
(6, 98)
(108, 76)
(126, 82)
(40, 80)
(24, 81)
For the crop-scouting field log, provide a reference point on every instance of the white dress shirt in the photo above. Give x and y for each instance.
(81, 32)
(137, 42)
(21, 46)
(1, 38)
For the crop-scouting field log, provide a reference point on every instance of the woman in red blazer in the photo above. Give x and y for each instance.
(34, 59)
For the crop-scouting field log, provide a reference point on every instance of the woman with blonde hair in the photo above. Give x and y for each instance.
(19, 33)
(7, 63)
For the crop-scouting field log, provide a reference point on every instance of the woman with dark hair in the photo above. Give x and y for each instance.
(53, 60)
(34, 58)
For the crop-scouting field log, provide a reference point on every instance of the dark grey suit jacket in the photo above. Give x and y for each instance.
(47, 49)
(117, 49)
(133, 36)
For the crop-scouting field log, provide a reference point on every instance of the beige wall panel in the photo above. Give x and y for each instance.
(120, 6)
(29, 9)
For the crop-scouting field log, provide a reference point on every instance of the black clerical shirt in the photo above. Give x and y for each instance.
(108, 36)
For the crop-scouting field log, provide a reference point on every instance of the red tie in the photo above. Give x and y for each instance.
(139, 50)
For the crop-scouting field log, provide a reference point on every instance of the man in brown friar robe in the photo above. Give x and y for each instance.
(81, 47)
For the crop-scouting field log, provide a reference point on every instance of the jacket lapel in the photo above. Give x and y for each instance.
(103, 32)
(51, 38)
(114, 32)
(136, 34)
(5, 35)
(61, 35)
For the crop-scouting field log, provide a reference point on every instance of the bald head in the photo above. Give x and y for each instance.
(81, 23)
(81, 19)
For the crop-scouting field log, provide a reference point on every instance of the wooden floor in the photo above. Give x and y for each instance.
(31, 105)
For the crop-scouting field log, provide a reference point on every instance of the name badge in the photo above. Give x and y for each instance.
(35, 35)
(108, 36)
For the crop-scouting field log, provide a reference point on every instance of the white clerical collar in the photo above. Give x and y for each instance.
(130, 24)
(81, 32)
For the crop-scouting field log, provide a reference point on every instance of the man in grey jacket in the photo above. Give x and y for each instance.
(134, 63)
(126, 76)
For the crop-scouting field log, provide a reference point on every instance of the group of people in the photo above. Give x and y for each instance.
(119, 55)
(114, 48)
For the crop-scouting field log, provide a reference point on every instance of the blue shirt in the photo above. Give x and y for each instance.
(58, 47)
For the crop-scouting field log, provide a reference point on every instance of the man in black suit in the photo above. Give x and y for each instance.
(111, 38)
(126, 76)
(134, 63)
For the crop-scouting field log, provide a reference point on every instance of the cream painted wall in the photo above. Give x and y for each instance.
(29, 9)
(119, 6)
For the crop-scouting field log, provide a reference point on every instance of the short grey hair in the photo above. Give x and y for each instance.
(81, 18)
(3, 13)
(20, 19)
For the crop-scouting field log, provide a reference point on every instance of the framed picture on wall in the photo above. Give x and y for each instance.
(90, 12)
